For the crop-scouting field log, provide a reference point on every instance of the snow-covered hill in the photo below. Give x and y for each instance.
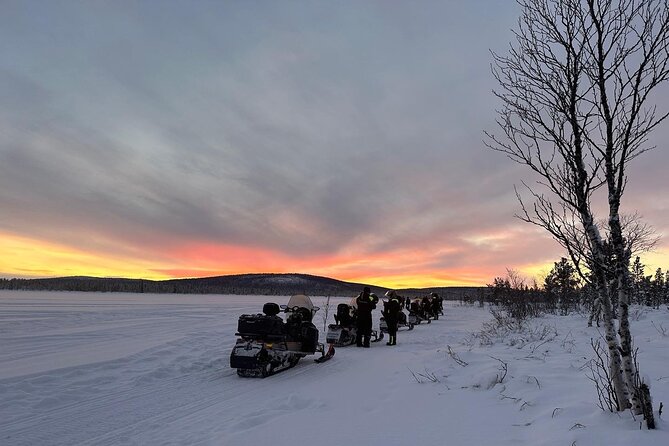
(87, 368)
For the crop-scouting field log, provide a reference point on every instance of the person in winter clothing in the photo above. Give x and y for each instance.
(426, 307)
(401, 317)
(366, 302)
(391, 310)
(437, 304)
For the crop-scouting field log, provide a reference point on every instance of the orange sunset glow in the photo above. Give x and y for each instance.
(24, 257)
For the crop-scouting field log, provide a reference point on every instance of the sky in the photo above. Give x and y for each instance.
(190, 139)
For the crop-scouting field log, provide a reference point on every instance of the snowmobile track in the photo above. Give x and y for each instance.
(165, 402)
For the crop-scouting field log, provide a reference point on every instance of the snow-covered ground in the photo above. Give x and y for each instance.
(87, 368)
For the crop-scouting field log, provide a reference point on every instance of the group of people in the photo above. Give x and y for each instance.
(392, 312)
(428, 307)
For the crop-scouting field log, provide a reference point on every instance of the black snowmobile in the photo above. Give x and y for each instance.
(268, 345)
(344, 331)
(417, 313)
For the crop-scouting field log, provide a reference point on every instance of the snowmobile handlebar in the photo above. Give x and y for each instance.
(287, 309)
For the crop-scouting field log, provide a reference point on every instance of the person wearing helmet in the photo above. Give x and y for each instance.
(366, 302)
(391, 310)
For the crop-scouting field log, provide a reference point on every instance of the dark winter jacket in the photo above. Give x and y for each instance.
(391, 310)
(438, 302)
(366, 304)
(426, 305)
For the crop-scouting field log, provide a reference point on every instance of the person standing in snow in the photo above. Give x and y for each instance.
(426, 307)
(366, 302)
(438, 304)
(391, 311)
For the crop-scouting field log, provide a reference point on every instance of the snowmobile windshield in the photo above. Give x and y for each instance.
(300, 300)
(354, 303)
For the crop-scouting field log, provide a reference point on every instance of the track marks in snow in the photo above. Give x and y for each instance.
(275, 408)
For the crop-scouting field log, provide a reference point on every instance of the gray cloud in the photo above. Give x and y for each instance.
(293, 126)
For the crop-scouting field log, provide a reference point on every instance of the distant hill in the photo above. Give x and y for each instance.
(250, 284)
(241, 284)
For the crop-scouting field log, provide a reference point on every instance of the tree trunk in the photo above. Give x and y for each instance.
(622, 275)
(620, 387)
(629, 368)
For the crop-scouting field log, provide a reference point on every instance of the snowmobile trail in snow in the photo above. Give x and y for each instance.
(131, 397)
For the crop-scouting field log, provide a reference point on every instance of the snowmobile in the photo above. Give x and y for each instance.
(344, 331)
(268, 345)
(402, 321)
(417, 313)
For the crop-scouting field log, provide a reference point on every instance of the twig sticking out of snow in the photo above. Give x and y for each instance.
(661, 329)
(599, 375)
(424, 377)
(526, 403)
(569, 344)
(535, 380)
(326, 313)
(540, 344)
(516, 400)
(504, 368)
(455, 357)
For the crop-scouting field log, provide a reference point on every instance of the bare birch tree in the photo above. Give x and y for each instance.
(577, 107)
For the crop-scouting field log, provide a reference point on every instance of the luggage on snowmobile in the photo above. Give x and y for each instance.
(268, 345)
(261, 325)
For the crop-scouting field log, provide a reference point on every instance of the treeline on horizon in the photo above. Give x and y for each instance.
(563, 291)
(245, 284)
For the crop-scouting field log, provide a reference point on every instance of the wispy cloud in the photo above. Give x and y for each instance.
(286, 137)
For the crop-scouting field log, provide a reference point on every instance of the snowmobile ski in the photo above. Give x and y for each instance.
(326, 356)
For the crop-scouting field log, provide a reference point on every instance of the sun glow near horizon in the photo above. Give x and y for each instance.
(25, 257)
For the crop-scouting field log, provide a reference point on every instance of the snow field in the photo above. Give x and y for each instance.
(103, 369)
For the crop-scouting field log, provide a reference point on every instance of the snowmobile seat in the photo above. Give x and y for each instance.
(343, 316)
(271, 309)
